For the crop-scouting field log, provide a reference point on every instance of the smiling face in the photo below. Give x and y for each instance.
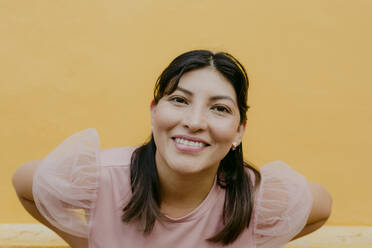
(194, 127)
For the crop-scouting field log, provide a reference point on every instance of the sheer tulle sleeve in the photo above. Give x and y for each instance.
(66, 182)
(283, 205)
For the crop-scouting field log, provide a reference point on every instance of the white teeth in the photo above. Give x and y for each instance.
(189, 143)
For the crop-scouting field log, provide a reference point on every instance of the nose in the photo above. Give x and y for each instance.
(195, 119)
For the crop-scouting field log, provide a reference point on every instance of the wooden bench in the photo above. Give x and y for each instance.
(38, 236)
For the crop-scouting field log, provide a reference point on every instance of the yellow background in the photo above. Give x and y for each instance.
(73, 64)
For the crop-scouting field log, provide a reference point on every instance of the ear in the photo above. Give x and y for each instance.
(240, 133)
(152, 104)
(152, 110)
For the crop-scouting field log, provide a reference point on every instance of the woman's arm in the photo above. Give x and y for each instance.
(22, 182)
(320, 211)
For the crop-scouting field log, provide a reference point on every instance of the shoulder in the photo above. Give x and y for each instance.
(282, 183)
(283, 204)
(70, 176)
(117, 156)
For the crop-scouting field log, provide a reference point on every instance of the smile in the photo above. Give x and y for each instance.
(189, 143)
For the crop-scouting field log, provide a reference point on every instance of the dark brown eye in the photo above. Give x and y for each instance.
(178, 99)
(221, 109)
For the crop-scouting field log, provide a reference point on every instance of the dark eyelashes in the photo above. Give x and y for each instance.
(178, 99)
(182, 100)
(222, 109)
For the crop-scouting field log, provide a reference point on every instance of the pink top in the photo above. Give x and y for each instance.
(82, 190)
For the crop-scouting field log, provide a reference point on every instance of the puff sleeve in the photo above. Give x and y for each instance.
(283, 205)
(66, 182)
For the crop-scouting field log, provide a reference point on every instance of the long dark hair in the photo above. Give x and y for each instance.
(231, 175)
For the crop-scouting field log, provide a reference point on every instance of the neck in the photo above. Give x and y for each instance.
(181, 193)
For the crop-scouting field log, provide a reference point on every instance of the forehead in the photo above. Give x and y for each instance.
(207, 80)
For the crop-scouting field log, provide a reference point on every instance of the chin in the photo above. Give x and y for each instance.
(189, 167)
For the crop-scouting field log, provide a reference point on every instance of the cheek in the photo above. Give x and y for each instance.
(164, 118)
(224, 132)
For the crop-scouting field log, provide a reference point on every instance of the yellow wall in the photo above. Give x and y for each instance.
(73, 64)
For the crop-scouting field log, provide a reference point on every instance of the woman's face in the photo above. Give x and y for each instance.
(195, 126)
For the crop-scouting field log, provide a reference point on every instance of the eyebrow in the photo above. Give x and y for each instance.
(213, 98)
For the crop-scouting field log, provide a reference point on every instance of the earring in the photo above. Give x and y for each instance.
(234, 145)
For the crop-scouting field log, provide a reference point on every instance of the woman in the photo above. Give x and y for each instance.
(186, 187)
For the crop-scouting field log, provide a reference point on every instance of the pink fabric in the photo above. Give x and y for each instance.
(82, 191)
